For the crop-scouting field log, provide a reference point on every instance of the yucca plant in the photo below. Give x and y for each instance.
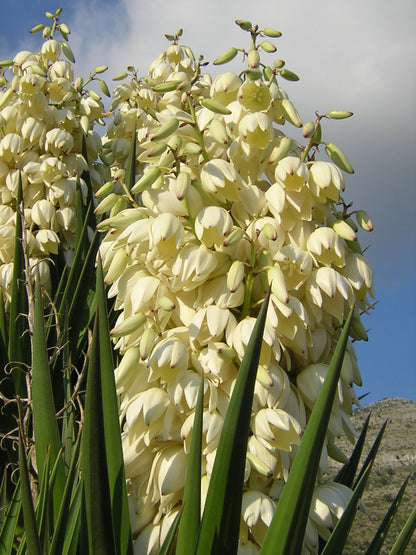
(216, 260)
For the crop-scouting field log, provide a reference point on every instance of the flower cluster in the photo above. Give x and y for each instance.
(224, 206)
(45, 116)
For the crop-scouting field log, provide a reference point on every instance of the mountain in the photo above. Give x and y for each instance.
(396, 459)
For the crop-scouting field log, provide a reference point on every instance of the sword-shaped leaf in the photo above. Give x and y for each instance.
(221, 518)
(287, 529)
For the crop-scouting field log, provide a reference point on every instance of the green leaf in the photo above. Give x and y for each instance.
(31, 532)
(191, 517)
(347, 472)
(114, 452)
(97, 529)
(406, 533)
(287, 529)
(9, 525)
(131, 162)
(221, 518)
(378, 540)
(45, 426)
(62, 529)
(19, 343)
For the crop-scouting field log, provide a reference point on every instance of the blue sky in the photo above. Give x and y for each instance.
(354, 55)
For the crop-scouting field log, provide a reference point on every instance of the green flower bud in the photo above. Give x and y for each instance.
(165, 130)
(278, 64)
(308, 129)
(269, 32)
(244, 24)
(147, 342)
(339, 114)
(345, 231)
(288, 75)
(182, 184)
(167, 87)
(106, 204)
(318, 134)
(234, 237)
(37, 28)
(104, 190)
(226, 56)
(120, 76)
(64, 28)
(269, 231)
(6, 63)
(258, 465)
(67, 52)
(193, 149)
(100, 69)
(253, 58)
(218, 131)
(267, 46)
(49, 15)
(290, 112)
(103, 86)
(129, 325)
(58, 11)
(226, 353)
(338, 157)
(268, 73)
(117, 265)
(364, 220)
(166, 304)
(46, 33)
(147, 179)
(154, 152)
(215, 106)
(235, 275)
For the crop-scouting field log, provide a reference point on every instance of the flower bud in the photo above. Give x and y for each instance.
(147, 179)
(106, 204)
(225, 353)
(63, 27)
(273, 33)
(339, 114)
(270, 231)
(253, 58)
(100, 69)
(278, 283)
(120, 76)
(338, 157)
(244, 24)
(235, 275)
(308, 129)
(127, 364)
(129, 325)
(218, 131)
(68, 52)
(215, 106)
(267, 46)
(226, 56)
(182, 184)
(193, 149)
(166, 304)
(167, 87)
(364, 220)
(37, 28)
(117, 266)
(165, 130)
(103, 86)
(344, 230)
(290, 112)
(253, 74)
(147, 342)
(234, 237)
(288, 75)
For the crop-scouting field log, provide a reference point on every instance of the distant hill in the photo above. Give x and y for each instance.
(395, 460)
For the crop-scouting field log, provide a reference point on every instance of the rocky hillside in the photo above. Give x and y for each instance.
(395, 460)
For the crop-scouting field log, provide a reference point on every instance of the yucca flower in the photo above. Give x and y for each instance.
(223, 205)
(44, 116)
